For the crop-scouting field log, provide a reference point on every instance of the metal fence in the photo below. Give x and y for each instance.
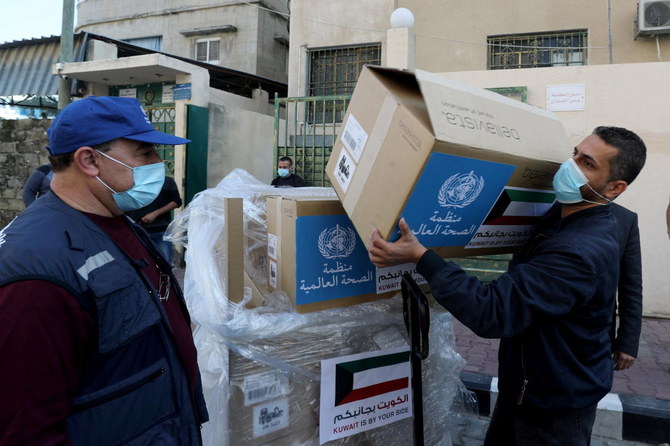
(305, 130)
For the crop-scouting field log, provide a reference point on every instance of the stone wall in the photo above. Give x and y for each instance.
(22, 149)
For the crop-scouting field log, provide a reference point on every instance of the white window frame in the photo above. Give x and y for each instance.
(208, 49)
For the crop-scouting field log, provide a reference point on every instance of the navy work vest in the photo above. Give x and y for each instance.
(135, 389)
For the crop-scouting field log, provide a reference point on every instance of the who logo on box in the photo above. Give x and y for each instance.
(460, 190)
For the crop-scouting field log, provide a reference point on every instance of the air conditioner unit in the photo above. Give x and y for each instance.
(653, 18)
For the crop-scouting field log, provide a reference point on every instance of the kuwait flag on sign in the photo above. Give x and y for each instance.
(370, 377)
(519, 207)
(364, 391)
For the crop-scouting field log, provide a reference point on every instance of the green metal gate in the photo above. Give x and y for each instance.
(306, 129)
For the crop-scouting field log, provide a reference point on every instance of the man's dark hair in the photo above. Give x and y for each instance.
(287, 158)
(61, 162)
(627, 164)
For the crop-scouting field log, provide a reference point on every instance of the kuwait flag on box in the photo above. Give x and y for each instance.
(511, 220)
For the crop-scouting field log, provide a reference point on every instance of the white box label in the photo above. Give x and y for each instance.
(354, 137)
(265, 386)
(273, 274)
(344, 170)
(270, 417)
(272, 246)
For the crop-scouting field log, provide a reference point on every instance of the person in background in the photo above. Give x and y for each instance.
(38, 184)
(626, 337)
(156, 217)
(553, 308)
(286, 176)
(95, 338)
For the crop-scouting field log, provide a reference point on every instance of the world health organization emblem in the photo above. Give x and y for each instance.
(460, 190)
(337, 242)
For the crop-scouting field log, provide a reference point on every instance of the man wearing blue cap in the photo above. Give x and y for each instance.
(95, 338)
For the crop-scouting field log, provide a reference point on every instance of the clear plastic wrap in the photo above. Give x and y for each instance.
(240, 350)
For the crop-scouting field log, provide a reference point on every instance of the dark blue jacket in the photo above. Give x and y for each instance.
(553, 309)
(134, 389)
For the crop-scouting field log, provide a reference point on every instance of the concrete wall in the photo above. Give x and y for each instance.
(326, 23)
(451, 34)
(22, 149)
(252, 48)
(628, 95)
(239, 138)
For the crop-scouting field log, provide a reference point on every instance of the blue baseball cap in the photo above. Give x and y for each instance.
(99, 119)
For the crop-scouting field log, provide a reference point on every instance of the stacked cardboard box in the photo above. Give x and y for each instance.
(316, 256)
(470, 170)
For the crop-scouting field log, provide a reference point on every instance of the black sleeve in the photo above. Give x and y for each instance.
(172, 190)
(32, 187)
(629, 297)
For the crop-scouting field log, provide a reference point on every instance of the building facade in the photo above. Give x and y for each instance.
(454, 35)
(249, 36)
(611, 50)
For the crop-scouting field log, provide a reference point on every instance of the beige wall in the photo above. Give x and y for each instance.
(628, 95)
(451, 34)
(251, 49)
(317, 23)
(239, 138)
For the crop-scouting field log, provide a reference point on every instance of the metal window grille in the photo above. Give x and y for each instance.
(207, 50)
(538, 50)
(334, 71)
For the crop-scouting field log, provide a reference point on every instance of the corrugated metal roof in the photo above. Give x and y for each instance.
(25, 66)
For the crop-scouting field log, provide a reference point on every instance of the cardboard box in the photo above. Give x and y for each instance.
(315, 255)
(470, 170)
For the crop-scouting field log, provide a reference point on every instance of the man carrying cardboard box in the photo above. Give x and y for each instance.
(553, 308)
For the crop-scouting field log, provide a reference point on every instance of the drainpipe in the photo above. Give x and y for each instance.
(609, 29)
(66, 50)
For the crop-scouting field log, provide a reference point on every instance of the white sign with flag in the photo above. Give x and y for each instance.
(364, 391)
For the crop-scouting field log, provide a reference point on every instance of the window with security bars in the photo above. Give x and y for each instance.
(538, 50)
(334, 71)
(208, 50)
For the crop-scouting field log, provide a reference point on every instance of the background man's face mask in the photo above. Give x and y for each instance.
(283, 172)
(568, 181)
(148, 184)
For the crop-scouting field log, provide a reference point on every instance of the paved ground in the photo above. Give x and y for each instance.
(649, 376)
(642, 392)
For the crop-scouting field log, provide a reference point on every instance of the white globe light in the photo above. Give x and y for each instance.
(402, 18)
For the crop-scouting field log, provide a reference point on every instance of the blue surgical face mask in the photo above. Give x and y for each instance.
(568, 181)
(283, 172)
(148, 181)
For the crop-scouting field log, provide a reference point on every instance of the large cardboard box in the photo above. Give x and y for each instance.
(316, 256)
(469, 169)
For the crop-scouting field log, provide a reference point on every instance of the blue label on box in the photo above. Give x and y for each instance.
(332, 261)
(452, 197)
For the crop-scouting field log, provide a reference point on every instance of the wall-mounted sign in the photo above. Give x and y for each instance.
(181, 92)
(568, 97)
(127, 92)
(168, 94)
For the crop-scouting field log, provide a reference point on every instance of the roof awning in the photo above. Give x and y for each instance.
(144, 69)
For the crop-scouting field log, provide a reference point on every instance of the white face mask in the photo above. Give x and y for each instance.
(148, 182)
